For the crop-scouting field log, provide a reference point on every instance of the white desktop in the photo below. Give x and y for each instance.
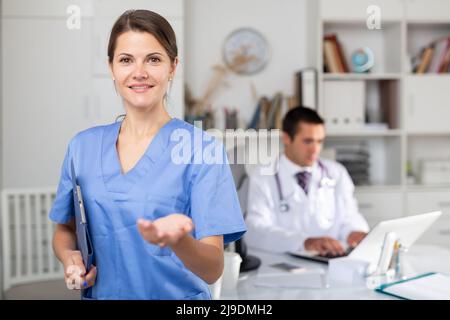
(270, 283)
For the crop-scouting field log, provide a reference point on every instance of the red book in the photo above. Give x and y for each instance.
(340, 53)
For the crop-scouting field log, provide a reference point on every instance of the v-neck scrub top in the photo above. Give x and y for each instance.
(129, 267)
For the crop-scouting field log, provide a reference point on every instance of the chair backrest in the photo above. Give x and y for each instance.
(238, 169)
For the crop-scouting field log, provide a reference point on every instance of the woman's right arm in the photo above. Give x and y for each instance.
(64, 245)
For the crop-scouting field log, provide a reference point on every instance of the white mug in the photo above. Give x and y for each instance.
(230, 277)
(216, 288)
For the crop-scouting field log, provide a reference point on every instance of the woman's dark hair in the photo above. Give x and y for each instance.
(297, 115)
(144, 21)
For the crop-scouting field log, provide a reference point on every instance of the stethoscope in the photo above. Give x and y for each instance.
(325, 181)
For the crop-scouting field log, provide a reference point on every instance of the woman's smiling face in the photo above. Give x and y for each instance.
(142, 70)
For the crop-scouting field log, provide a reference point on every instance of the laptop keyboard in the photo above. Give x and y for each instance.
(330, 256)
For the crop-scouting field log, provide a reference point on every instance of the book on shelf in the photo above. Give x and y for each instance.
(441, 53)
(305, 88)
(268, 113)
(434, 58)
(446, 59)
(254, 122)
(330, 59)
(425, 58)
(334, 57)
(274, 114)
(265, 108)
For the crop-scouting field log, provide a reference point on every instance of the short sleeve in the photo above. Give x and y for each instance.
(62, 210)
(215, 208)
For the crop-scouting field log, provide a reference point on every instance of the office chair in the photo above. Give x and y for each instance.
(242, 182)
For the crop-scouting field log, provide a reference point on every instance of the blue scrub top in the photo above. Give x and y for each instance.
(128, 266)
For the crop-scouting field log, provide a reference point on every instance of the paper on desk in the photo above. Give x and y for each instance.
(435, 286)
(314, 279)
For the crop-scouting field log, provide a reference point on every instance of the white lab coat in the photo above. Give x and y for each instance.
(308, 215)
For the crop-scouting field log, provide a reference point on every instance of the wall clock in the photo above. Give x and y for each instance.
(246, 51)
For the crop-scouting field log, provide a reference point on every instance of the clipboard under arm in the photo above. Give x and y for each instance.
(84, 243)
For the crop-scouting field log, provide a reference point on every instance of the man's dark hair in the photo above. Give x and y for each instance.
(297, 115)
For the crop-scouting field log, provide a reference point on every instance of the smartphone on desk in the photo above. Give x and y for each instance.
(288, 267)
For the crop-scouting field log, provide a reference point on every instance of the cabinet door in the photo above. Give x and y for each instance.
(379, 206)
(45, 8)
(357, 9)
(425, 10)
(427, 97)
(422, 202)
(46, 82)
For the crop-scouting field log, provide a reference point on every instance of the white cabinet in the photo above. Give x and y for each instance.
(378, 206)
(45, 8)
(421, 202)
(425, 10)
(105, 103)
(357, 9)
(102, 28)
(427, 104)
(46, 84)
(343, 105)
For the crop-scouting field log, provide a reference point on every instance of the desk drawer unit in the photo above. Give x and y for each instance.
(378, 206)
(421, 202)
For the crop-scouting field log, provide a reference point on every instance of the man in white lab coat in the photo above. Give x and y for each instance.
(309, 203)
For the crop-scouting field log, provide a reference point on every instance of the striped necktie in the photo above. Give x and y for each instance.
(303, 179)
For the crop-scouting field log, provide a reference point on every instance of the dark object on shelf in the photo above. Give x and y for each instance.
(231, 119)
(356, 160)
(249, 262)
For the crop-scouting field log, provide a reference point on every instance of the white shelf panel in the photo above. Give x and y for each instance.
(429, 75)
(428, 188)
(359, 21)
(363, 133)
(379, 189)
(364, 76)
(428, 134)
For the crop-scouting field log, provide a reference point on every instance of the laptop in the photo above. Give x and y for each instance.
(407, 229)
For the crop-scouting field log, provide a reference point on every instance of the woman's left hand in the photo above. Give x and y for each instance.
(166, 231)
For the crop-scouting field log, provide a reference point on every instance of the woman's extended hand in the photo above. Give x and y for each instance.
(75, 272)
(166, 231)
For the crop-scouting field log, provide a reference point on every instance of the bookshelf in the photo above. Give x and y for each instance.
(415, 108)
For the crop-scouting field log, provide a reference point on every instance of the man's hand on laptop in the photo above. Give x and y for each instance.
(355, 238)
(324, 246)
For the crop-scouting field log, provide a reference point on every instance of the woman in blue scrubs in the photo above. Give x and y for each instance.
(158, 216)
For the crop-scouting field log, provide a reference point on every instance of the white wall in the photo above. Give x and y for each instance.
(282, 22)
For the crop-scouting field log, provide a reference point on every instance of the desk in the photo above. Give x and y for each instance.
(419, 259)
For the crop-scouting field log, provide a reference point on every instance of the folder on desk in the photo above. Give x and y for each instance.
(83, 238)
(428, 286)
